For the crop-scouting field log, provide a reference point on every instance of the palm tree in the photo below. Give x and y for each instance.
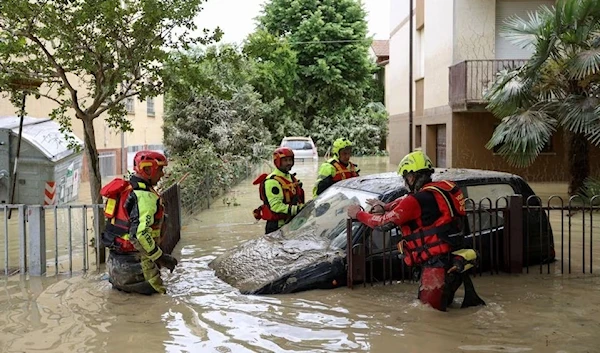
(559, 87)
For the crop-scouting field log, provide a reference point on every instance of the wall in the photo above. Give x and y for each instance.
(147, 130)
(437, 50)
(475, 29)
(438, 33)
(474, 131)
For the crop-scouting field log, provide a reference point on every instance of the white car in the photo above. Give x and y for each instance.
(303, 147)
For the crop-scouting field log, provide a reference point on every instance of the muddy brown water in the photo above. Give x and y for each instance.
(81, 313)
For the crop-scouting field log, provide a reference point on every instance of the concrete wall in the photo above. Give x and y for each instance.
(438, 32)
(430, 100)
(474, 29)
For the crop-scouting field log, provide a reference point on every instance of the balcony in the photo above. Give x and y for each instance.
(470, 79)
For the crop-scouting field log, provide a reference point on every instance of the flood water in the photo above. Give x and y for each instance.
(200, 313)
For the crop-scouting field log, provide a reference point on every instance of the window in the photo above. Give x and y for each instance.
(418, 132)
(135, 148)
(150, 106)
(487, 217)
(129, 105)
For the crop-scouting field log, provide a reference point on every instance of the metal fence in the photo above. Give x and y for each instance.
(198, 195)
(511, 235)
(64, 238)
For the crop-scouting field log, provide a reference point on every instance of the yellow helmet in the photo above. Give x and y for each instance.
(414, 162)
(340, 144)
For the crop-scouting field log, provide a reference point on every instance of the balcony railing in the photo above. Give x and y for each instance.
(470, 79)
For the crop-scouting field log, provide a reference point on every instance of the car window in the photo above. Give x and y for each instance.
(488, 218)
(325, 217)
(298, 144)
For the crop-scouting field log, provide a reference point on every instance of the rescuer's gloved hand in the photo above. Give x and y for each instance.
(168, 261)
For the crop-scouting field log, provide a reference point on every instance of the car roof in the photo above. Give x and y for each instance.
(384, 183)
(297, 138)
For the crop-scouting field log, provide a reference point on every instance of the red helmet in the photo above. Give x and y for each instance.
(280, 153)
(151, 159)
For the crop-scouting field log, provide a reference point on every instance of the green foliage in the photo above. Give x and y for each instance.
(92, 55)
(333, 71)
(591, 191)
(365, 128)
(557, 88)
(211, 102)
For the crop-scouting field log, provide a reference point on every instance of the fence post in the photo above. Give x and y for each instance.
(37, 240)
(22, 240)
(349, 253)
(513, 237)
(179, 208)
(100, 249)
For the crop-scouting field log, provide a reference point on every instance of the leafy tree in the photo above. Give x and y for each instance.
(210, 101)
(275, 77)
(557, 88)
(330, 41)
(91, 55)
(366, 128)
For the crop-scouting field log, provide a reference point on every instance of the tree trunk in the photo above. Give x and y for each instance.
(93, 163)
(579, 161)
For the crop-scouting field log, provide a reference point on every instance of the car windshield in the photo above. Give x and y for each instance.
(325, 217)
(298, 144)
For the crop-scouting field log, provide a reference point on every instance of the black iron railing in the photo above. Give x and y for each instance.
(511, 235)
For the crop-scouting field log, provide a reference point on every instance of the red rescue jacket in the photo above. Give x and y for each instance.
(425, 239)
(115, 210)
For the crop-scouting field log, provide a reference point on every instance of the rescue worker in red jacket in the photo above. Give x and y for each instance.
(281, 193)
(338, 168)
(134, 212)
(431, 220)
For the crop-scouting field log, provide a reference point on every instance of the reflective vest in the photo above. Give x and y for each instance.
(343, 172)
(293, 194)
(423, 242)
(117, 216)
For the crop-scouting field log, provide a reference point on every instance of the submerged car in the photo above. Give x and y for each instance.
(309, 252)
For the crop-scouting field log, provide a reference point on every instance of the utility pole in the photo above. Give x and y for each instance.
(410, 76)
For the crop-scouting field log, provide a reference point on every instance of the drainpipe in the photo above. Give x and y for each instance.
(410, 77)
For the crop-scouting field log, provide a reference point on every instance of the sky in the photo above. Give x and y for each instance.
(236, 17)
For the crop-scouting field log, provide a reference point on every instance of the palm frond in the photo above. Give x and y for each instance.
(551, 81)
(525, 33)
(509, 92)
(579, 114)
(522, 136)
(591, 190)
(593, 135)
(585, 63)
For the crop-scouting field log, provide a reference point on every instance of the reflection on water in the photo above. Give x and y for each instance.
(202, 314)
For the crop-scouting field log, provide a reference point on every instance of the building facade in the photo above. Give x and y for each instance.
(115, 149)
(457, 50)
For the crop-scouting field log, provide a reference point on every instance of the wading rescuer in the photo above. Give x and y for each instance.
(134, 213)
(338, 168)
(281, 193)
(431, 220)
